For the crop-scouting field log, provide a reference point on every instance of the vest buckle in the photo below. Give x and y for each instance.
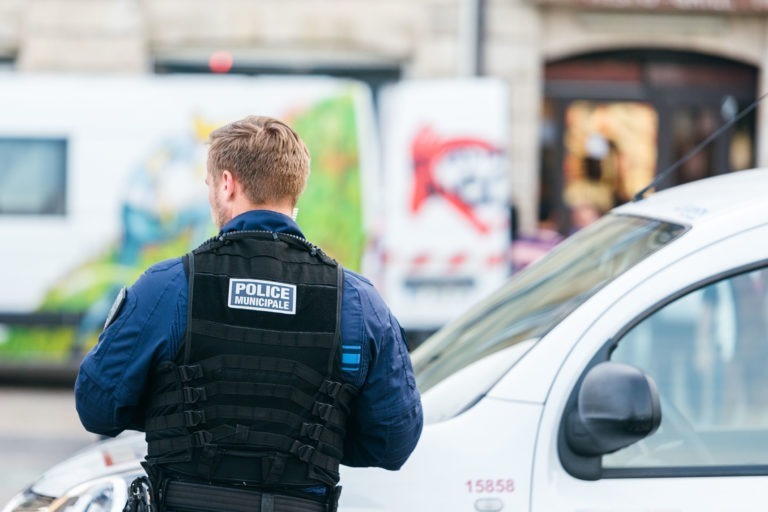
(331, 388)
(304, 452)
(202, 438)
(194, 418)
(322, 410)
(190, 372)
(312, 430)
(193, 395)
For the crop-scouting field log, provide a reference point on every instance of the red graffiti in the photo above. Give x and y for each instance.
(427, 151)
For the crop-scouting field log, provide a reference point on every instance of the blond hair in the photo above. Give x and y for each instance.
(264, 154)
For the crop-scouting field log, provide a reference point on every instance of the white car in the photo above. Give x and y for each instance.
(625, 371)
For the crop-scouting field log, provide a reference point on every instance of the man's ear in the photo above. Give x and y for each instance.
(227, 183)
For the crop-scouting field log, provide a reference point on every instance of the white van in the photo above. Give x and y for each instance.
(101, 176)
(626, 371)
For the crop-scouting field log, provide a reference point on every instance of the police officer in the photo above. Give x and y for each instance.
(255, 364)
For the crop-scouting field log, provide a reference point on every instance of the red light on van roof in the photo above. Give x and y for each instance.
(220, 62)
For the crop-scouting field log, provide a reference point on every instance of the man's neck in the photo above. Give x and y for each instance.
(284, 208)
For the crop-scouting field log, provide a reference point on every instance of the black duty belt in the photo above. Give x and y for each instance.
(192, 497)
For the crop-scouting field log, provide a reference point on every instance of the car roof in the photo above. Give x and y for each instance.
(741, 195)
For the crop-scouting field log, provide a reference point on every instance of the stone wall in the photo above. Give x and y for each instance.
(10, 27)
(513, 53)
(425, 38)
(81, 35)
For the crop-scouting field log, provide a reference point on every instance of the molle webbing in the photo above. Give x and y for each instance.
(216, 364)
(195, 394)
(255, 394)
(241, 435)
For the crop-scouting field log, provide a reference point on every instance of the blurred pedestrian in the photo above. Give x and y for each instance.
(589, 197)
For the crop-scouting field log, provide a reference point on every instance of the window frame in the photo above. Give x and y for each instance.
(591, 468)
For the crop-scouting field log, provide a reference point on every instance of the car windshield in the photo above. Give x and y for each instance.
(533, 302)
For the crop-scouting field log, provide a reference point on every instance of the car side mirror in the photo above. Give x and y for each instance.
(617, 405)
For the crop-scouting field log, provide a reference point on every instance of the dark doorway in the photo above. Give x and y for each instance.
(613, 120)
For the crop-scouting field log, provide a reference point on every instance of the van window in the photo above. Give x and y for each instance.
(538, 298)
(708, 354)
(33, 176)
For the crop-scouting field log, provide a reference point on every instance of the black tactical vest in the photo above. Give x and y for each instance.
(255, 395)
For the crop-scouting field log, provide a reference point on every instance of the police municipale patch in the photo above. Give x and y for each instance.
(259, 295)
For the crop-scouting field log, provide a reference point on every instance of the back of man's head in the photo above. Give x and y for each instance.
(265, 155)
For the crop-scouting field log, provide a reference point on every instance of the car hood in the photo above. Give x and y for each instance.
(121, 455)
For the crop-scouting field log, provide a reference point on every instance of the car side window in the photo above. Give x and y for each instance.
(708, 354)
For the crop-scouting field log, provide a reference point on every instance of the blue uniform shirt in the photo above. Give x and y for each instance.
(149, 327)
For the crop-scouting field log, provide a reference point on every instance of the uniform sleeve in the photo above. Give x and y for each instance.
(147, 330)
(387, 418)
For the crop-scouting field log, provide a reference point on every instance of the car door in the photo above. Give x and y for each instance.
(698, 328)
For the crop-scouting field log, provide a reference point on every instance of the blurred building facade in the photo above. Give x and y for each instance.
(650, 78)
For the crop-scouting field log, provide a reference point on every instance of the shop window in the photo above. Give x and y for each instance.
(650, 107)
(33, 176)
(610, 154)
